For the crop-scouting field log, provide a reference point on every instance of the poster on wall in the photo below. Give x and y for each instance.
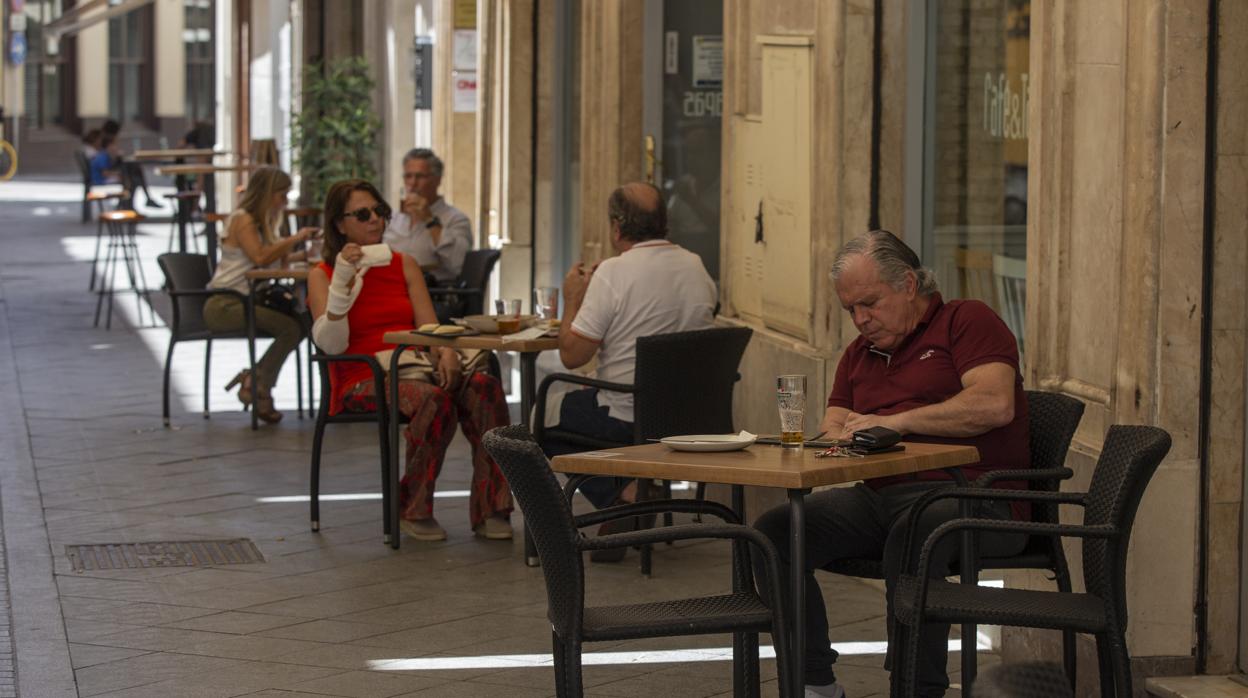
(708, 61)
(464, 50)
(465, 91)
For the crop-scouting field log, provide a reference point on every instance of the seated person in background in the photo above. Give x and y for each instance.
(652, 287)
(103, 163)
(201, 135)
(91, 143)
(937, 372)
(131, 173)
(354, 306)
(426, 228)
(249, 241)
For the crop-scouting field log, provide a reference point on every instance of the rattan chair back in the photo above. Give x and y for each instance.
(685, 381)
(1128, 460)
(549, 518)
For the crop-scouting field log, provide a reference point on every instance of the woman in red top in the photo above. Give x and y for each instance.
(353, 307)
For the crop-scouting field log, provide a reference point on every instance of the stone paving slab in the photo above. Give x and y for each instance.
(84, 459)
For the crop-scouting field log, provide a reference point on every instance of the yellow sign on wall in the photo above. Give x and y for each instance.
(465, 14)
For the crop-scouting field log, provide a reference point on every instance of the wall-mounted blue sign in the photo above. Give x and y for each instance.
(17, 48)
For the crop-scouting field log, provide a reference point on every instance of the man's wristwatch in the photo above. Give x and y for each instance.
(433, 221)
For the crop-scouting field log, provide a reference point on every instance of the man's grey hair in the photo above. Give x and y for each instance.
(435, 162)
(893, 257)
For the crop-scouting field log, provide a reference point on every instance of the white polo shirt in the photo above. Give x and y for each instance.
(654, 288)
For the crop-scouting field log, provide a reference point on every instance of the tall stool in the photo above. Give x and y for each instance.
(122, 249)
(97, 200)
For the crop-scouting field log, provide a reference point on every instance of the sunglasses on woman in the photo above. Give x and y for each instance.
(364, 214)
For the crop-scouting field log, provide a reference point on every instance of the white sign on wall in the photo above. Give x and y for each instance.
(708, 61)
(465, 91)
(465, 50)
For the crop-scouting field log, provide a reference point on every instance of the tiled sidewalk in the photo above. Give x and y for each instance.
(85, 460)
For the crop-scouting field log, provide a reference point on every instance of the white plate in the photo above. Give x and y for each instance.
(709, 442)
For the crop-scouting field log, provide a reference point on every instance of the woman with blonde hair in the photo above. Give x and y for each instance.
(249, 241)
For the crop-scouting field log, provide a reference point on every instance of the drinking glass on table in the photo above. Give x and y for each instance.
(546, 302)
(508, 315)
(791, 398)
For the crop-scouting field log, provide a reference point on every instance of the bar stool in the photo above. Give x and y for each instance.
(122, 248)
(97, 200)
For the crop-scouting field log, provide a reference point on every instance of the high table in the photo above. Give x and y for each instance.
(172, 154)
(795, 470)
(176, 156)
(253, 277)
(210, 195)
(528, 349)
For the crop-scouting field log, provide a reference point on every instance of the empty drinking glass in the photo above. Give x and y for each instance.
(791, 397)
(546, 302)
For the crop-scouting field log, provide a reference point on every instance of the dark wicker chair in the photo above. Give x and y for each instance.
(380, 416)
(683, 384)
(1127, 463)
(1052, 420)
(560, 546)
(1023, 680)
(186, 281)
(465, 295)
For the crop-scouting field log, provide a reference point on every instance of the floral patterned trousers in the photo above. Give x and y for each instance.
(478, 406)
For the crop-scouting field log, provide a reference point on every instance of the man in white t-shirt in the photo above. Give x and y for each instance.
(426, 228)
(652, 287)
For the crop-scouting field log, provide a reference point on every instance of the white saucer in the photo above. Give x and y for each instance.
(709, 442)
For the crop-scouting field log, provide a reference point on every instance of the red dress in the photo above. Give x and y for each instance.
(382, 306)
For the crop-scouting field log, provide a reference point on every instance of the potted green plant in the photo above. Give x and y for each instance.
(335, 134)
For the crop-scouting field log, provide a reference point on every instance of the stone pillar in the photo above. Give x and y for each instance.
(389, 30)
(454, 132)
(170, 63)
(1229, 383)
(92, 72)
(1114, 232)
(611, 112)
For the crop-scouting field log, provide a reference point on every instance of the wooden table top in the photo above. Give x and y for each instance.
(767, 466)
(263, 274)
(490, 342)
(202, 168)
(173, 153)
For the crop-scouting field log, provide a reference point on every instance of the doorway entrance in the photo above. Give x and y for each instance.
(682, 118)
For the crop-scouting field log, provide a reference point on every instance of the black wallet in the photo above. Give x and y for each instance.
(876, 440)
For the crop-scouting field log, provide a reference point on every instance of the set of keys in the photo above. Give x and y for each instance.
(840, 452)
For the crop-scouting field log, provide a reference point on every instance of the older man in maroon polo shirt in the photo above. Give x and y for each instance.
(935, 371)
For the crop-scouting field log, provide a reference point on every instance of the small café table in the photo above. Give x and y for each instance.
(172, 154)
(176, 156)
(528, 349)
(255, 276)
(210, 196)
(796, 470)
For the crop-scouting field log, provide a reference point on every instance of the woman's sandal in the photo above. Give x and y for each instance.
(264, 410)
(243, 381)
(263, 405)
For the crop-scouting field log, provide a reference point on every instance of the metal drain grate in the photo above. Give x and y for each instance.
(193, 553)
